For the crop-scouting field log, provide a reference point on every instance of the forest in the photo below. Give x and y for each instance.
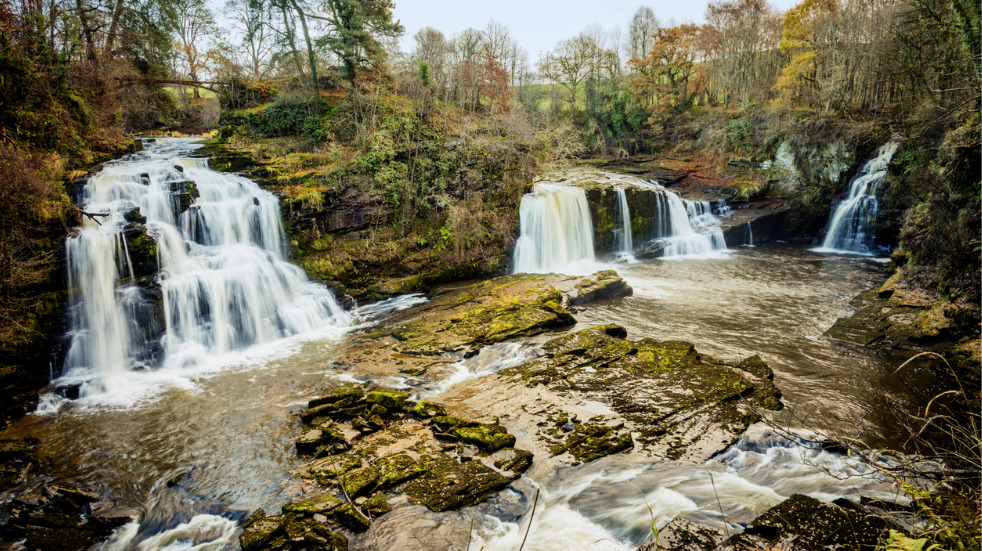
(389, 167)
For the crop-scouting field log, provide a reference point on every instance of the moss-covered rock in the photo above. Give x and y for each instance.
(593, 440)
(376, 505)
(349, 517)
(361, 481)
(488, 438)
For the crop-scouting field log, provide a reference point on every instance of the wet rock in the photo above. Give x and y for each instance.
(183, 193)
(17, 461)
(593, 440)
(599, 286)
(799, 523)
(802, 522)
(678, 403)
(57, 518)
(447, 484)
(405, 454)
(289, 532)
(684, 535)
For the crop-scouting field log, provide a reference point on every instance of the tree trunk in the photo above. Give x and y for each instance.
(310, 47)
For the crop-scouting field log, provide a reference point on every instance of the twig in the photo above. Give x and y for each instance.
(92, 215)
(726, 529)
(531, 517)
(470, 534)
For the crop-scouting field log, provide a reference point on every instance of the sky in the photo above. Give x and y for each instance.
(540, 24)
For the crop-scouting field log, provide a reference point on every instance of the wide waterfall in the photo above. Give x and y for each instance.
(625, 242)
(223, 283)
(556, 231)
(852, 226)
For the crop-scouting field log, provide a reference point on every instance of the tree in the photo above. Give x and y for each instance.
(665, 78)
(641, 33)
(808, 30)
(567, 65)
(358, 26)
(195, 23)
(253, 19)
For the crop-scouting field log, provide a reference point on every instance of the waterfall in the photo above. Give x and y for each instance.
(852, 225)
(223, 282)
(678, 222)
(556, 231)
(750, 235)
(625, 241)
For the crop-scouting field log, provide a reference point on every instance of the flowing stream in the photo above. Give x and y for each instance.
(206, 436)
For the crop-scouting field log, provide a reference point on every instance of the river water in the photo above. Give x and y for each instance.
(209, 447)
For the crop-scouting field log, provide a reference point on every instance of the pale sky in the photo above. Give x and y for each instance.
(540, 24)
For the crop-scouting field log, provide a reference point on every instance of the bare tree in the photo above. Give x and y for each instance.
(640, 35)
(253, 20)
(568, 64)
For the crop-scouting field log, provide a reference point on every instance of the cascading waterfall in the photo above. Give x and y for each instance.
(750, 235)
(556, 231)
(223, 284)
(625, 241)
(853, 222)
(679, 220)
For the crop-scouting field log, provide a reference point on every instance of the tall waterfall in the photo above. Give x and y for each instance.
(223, 283)
(625, 241)
(556, 231)
(852, 225)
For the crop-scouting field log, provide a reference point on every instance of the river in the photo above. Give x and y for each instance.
(202, 447)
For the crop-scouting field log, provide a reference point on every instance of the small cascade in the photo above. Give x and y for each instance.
(556, 231)
(223, 282)
(681, 219)
(625, 243)
(852, 226)
(750, 235)
(720, 208)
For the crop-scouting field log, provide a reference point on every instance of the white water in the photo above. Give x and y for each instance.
(750, 235)
(611, 506)
(224, 281)
(201, 533)
(853, 222)
(556, 232)
(625, 241)
(683, 219)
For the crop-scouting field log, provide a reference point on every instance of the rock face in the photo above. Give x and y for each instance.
(799, 523)
(677, 403)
